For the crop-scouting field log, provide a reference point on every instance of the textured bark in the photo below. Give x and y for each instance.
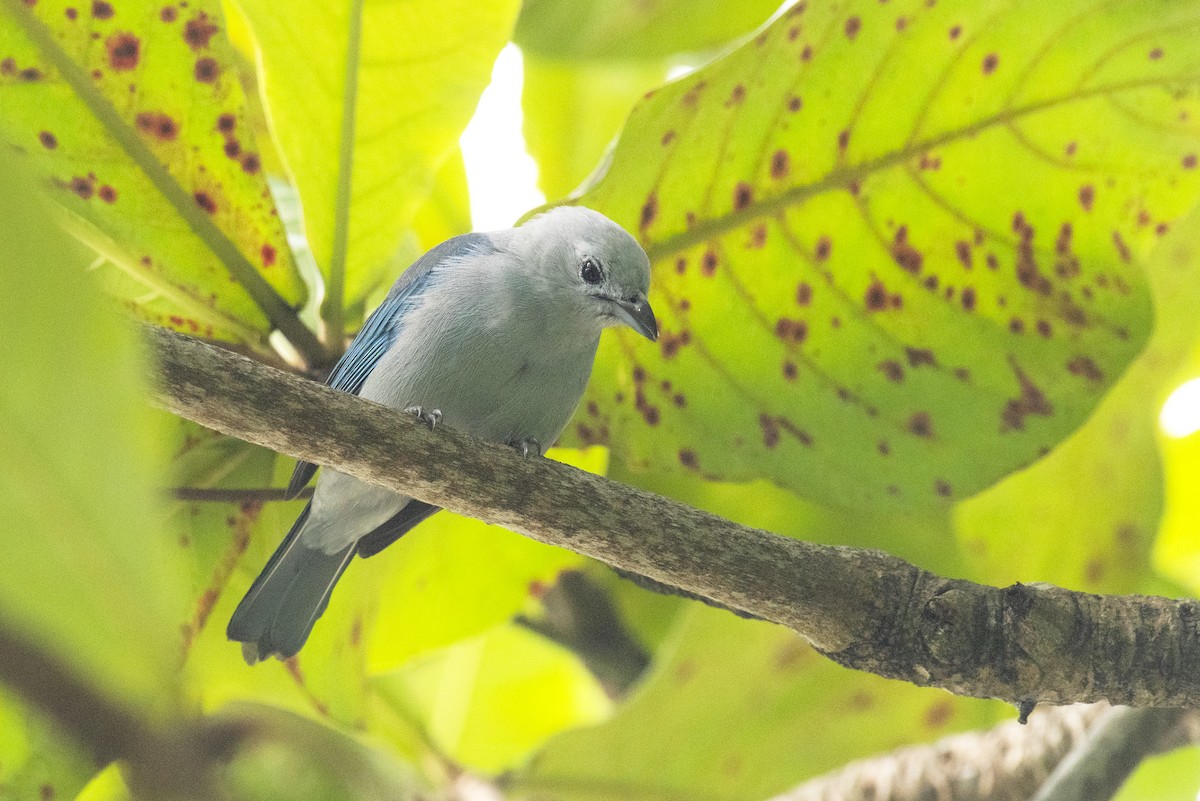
(1045, 759)
(863, 608)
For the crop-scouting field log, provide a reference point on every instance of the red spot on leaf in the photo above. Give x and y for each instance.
(968, 299)
(892, 370)
(795, 104)
(955, 32)
(1087, 195)
(199, 31)
(743, 195)
(780, 164)
(770, 431)
(82, 187)
(708, 264)
(232, 148)
(795, 331)
(688, 459)
(124, 50)
(853, 25)
(668, 137)
(268, 255)
(904, 253)
(1155, 54)
(251, 163)
(205, 202)
(803, 294)
(101, 9)
(876, 297)
(1031, 401)
(942, 487)
(649, 211)
(963, 251)
(1189, 161)
(48, 140)
(107, 194)
(72, 14)
(158, 125)
(824, 248)
(168, 14)
(990, 62)
(30, 74)
(1084, 367)
(226, 123)
(920, 425)
(736, 96)
(207, 69)
(789, 371)
(1122, 248)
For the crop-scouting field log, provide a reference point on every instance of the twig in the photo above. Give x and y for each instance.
(234, 495)
(865, 609)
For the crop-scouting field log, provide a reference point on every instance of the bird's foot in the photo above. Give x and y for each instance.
(527, 446)
(432, 417)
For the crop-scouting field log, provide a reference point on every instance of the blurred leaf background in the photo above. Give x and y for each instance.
(926, 275)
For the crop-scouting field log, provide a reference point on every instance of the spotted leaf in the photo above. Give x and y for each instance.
(896, 246)
(133, 114)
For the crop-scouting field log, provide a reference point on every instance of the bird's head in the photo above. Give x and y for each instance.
(595, 264)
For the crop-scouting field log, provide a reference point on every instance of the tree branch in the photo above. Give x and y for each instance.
(1097, 767)
(865, 609)
(1006, 763)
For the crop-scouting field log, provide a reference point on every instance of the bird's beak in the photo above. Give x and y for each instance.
(638, 315)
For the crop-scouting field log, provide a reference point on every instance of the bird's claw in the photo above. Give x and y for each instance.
(432, 417)
(527, 446)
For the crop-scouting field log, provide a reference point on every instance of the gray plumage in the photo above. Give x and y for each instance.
(497, 333)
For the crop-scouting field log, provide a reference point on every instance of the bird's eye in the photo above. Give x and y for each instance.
(590, 271)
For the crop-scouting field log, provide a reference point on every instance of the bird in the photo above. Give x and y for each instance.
(490, 333)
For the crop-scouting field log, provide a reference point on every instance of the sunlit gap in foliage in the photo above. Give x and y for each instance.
(501, 175)
(1180, 415)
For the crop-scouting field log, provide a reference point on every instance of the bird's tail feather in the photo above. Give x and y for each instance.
(283, 603)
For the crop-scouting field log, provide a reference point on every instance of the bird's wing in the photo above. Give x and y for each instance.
(381, 328)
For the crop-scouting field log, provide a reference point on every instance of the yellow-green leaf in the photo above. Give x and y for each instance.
(896, 246)
(132, 113)
(1087, 514)
(606, 29)
(737, 709)
(490, 701)
(574, 109)
(85, 557)
(367, 99)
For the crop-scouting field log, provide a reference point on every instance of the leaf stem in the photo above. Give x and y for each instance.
(331, 309)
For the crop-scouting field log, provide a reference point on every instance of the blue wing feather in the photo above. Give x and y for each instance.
(381, 328)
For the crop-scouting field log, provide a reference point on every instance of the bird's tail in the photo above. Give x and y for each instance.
(283, 603)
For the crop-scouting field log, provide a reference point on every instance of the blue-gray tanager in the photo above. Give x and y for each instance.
(493, 334)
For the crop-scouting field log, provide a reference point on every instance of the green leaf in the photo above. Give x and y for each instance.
(132, 114)
(36, 761)
(86, 562)
(574, 109)
(730, 712)
(454, 578)
(367, 99)
(896, 247)
(1174, 776)
(489, 702)
(599, 29)
(1086, 516)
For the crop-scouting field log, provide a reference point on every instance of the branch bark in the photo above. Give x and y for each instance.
(862, 608)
